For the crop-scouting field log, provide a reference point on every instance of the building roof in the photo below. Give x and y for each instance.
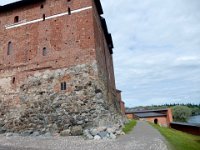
(122, 101)
(150, 114)
(108, 36)
(17, 4)
(146, 111)
(118, 90)
(7, 3)
(99, 6)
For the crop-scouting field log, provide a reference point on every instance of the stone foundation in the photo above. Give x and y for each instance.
(37, 105)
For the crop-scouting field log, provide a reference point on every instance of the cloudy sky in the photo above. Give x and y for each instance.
(157, 49)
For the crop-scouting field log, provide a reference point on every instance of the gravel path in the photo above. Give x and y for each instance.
(144, 137)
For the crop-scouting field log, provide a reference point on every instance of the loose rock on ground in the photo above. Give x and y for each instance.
(143, 137)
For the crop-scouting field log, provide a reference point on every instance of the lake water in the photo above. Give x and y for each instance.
(194, 119)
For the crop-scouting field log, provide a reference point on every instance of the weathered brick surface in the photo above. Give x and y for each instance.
(161, 121)
(69, 37)
(104, 59)
(70, 41)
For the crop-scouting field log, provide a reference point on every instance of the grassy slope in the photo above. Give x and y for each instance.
(180, 140)
(129, 126)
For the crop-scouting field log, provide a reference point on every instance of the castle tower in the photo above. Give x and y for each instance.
(56, 67)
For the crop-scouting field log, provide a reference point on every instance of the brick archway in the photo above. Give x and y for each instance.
(156, 121)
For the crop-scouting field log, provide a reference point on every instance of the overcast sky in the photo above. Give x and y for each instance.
(157, 49)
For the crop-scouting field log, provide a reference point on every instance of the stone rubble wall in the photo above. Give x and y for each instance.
(39, 107)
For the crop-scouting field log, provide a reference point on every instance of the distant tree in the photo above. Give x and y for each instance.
(181, 113)
(195, 111)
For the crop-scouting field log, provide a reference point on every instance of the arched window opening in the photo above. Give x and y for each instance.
(9, 51)
(155, 121)
(44, 51)
(16, 19)
(69, 11)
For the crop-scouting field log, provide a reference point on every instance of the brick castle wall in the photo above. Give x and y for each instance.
(53, 42)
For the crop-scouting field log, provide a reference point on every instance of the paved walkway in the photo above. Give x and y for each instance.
(144, 137)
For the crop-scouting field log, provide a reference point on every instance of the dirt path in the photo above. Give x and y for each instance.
(144, 137)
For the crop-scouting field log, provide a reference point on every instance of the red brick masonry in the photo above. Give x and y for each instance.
(53, 34)
(162, 116)
(186, 127)
(122, 104)
(56, 66)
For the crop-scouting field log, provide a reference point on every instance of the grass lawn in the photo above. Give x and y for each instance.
(179, 140)
(129, 126)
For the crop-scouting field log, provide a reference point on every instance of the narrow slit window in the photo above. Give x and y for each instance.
(69, 11)
(63, 86)
(9, 51)
(44, 17)
(13, 80)
(16, 19)
(44, 51)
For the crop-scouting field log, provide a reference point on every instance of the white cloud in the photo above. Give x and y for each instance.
(157, 49)
(188, 58)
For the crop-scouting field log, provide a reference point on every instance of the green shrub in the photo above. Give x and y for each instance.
(181, 113)
(129, 126)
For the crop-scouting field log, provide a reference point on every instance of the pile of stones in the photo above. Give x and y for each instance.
(103, 133)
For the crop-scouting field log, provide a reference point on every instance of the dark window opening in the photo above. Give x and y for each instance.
(44, 51)
(13, 80)
(44, 17)
(16, 19)
(9, 51)
(42, 6)
(155, 121)
(69, 11)
(68, 0)
(63, 86)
